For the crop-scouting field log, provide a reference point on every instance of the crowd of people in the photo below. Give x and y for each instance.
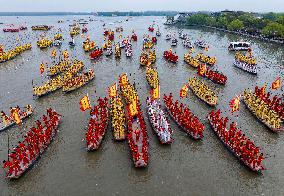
(6, 56)
(200, 89)
(170, 56)
(138, 138)
(152, 78)
(184, 117)
(128, 49)
(159, 122)
(78, 81)
(251, 68)
(247, 59)
(152, 56)
(118, 118)
(59, 68)
(97, 124)
(9, 119)
(44, 43)
(262, 111)
(191, 60)
(214, 76)
(35, 142)
(89, 45)
(48, 87)
(128, 92)
(233, 137)
(206, 59)
(276, 103)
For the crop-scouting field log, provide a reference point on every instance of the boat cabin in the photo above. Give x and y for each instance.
(237, 46)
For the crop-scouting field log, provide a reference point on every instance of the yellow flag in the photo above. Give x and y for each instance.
(155, 93)
(183, 91)
(112, 91)
(85, 103)
(276, 84)
(123, 79)
(53, 53)
(133, 108)
(65, 54)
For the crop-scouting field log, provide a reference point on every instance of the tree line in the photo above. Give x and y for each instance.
(269, 25)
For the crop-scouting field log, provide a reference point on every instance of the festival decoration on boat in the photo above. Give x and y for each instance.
(206, 59)
(276, 84)
(246, 62)
(152, 77)
(170, 56)
(89, 45)
(58, 36)
(9, 55)
(191, 60)
(44, 43)
(96, 53)
(214, 76)
(48, 87)
(235, 104)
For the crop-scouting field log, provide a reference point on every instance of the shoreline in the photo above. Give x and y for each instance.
(233, 32)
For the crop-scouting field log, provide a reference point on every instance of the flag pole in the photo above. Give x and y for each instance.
(8, 145)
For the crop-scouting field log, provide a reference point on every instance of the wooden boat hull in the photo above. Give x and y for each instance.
(27, 168)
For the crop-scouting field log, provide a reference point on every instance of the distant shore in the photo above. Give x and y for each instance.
(231, 32)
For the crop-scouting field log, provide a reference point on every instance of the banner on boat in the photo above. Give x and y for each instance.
(183, 91)
(202, 69)
(112, 91)
(133, 108)
(16, 116)
(85, 103)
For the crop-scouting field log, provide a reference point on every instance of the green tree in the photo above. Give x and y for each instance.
(236, 25)
(274, 29)
(197, 19)
(222, 22)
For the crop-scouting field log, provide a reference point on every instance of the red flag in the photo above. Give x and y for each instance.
(276, 84)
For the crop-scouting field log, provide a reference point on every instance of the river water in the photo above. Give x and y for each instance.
(186, 167)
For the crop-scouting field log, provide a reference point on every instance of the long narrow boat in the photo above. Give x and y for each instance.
(152, 78)
(78, 81)
(23, 115)
(137, 133)
(193, 127)
(254, 104)
(138, 138)
(256, 168)
(159, 122)
(71, 71)
(170, 56)
(53, 123)
(98, 124)
(48, 87)
(118, 118)
(214, 76)
(58, 68)
(203, 92)
(206, 59)
(191, 60)
(250, 68)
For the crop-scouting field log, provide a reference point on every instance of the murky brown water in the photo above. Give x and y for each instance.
(186, 167)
